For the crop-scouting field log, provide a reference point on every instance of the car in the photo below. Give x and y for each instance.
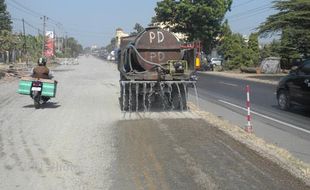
(216, 61)
(294, 89)
(111, 56)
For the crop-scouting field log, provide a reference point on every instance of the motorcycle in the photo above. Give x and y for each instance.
(40, 90)
(36, 94)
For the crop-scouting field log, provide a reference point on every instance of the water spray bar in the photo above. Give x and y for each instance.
(168, 82)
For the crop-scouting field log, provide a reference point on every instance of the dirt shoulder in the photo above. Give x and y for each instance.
(10, 72)
(263, 78)
(2, 69)
(269, 151)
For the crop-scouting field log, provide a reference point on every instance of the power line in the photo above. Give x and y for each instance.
(248, 16)
(28, 24)
(251, 28)
(257, 9)
(242, 4)
(32, 11)
(19, 6)
(24, 9)
(33, 27)
(17, 19)
(20, 9)
(37, 14)
(51, 20)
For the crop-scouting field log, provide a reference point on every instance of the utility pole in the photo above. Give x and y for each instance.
(66, 43)
(24, 34)
(58, 40)
(54, 42)
(44, 25)
(25, 41)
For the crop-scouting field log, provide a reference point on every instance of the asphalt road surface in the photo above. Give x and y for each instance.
(263, 98)
(289, 129)
(81, 140)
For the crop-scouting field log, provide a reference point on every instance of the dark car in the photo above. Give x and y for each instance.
(294, 89)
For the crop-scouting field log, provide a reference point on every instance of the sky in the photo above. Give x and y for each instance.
(93, 22)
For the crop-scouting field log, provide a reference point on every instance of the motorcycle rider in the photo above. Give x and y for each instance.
(41, 71)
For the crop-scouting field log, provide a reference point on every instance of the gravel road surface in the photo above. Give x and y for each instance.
(81, 140)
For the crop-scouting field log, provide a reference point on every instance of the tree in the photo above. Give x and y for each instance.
(5, 18)
(73, 48)
(198, 19)
(34, 46)
(138, 29)
(111, 46)
(289, 42)
(235, 51)
(8, 41)
(270, 50)
(225, 29)
(232, 49)
(293, 22)
(253, 48)
(225, 41)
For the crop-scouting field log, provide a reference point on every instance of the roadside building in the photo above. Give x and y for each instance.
(118, 35)
(180, 36)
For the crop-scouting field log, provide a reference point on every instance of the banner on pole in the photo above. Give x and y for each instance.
(49, 44)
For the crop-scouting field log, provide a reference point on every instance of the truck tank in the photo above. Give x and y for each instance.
(155, 71)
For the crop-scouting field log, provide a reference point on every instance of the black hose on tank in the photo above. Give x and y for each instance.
(128, 60)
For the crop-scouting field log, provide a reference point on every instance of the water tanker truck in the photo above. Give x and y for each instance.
(155, 71)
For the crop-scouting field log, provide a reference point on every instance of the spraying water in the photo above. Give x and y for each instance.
(162, 95)
(137, 97)
(180, 96)
(123, 94)
(144, 96)
(170, 96)
(130, 98)
(173, 95)
(150, 94)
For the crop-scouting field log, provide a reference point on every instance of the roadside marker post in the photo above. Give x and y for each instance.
(248, 127)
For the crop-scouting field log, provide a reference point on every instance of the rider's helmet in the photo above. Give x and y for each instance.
(42, 61)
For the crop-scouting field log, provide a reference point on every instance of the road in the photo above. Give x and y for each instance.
(81, 140)
(289, 129)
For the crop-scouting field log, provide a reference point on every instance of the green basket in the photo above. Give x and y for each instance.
(48, 89)
(24, 87)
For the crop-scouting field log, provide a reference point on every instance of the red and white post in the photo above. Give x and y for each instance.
(248, 127)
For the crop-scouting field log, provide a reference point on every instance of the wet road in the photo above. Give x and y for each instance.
(190, 154)
(81, 140)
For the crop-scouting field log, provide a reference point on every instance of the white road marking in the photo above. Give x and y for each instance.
(267, 117)
(229, 84)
